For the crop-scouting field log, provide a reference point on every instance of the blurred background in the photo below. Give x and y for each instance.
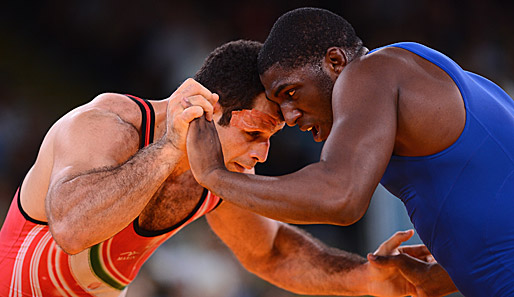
(56, 55)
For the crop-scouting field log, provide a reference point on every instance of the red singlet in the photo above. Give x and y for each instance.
(33, 265)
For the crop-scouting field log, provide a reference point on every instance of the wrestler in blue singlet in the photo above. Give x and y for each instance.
(461, 200)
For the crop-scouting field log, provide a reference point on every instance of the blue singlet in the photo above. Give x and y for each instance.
(461, 200)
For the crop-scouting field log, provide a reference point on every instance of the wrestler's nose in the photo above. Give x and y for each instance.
(259, 151)
(291, 114)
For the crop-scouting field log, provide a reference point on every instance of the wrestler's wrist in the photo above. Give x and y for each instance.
(365, 282)
(169, 153)
(357, 281)
(211, 178)
(371, 281)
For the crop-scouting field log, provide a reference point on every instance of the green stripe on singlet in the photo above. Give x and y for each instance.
(99, 270)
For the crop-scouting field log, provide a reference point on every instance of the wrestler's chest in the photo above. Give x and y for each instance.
(174, 201)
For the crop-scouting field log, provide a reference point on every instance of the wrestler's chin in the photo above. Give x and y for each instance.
(321, 133)
(235, 167)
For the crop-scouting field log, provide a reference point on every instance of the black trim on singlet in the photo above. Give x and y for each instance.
(24, 214)
(146, 233)
(144, 120)
(217, 204)
(152, 121)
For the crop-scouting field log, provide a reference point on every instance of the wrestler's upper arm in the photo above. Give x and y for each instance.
(362, 138)
(90, 138)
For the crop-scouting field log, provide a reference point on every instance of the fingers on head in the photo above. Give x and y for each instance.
(185, 103)
(191, 87)
(199, 100)
(192, 113)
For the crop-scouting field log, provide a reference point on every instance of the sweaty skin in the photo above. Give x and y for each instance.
(395, 116)
(97, 171)
(366, 126)
(85, 205)
(253, 120)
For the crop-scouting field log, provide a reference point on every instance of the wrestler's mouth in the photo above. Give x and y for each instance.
(241, 168)
(238, 168)
(315, 132)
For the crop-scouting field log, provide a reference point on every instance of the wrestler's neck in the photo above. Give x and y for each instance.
(160, 107)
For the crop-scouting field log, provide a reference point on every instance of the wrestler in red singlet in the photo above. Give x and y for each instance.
(32, 264)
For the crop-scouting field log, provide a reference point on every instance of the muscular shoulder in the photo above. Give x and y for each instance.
(105, 126)
(371, 77)
(106, 111)
(119, 105)
(385, 65)
(100, 133)
(380, 74)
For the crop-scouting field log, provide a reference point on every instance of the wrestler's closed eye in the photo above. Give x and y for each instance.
(253, 134)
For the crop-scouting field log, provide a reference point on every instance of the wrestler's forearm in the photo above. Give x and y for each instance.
(96, 205)
(301, 264)
(292, 259)
(310, 195)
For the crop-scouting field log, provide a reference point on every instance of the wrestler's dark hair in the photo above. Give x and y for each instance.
(302, 36)
(231, 72)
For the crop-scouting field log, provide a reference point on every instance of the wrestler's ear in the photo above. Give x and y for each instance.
(335, 59)
(217, 107)
(218, 111)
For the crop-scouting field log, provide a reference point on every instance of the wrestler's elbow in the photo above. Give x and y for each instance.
(67, 238)
(345, 209)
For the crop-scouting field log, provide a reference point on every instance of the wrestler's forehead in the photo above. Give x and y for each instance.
(255, 120)
(263, 104)
(265, 116)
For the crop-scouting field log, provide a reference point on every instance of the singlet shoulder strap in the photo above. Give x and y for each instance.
(217, 204)
(147, 120)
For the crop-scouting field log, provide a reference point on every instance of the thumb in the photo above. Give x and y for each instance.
(381, 261)
(391, 245)
(411, 268)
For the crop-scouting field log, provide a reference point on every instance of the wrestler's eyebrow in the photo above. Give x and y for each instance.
(280, 88)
